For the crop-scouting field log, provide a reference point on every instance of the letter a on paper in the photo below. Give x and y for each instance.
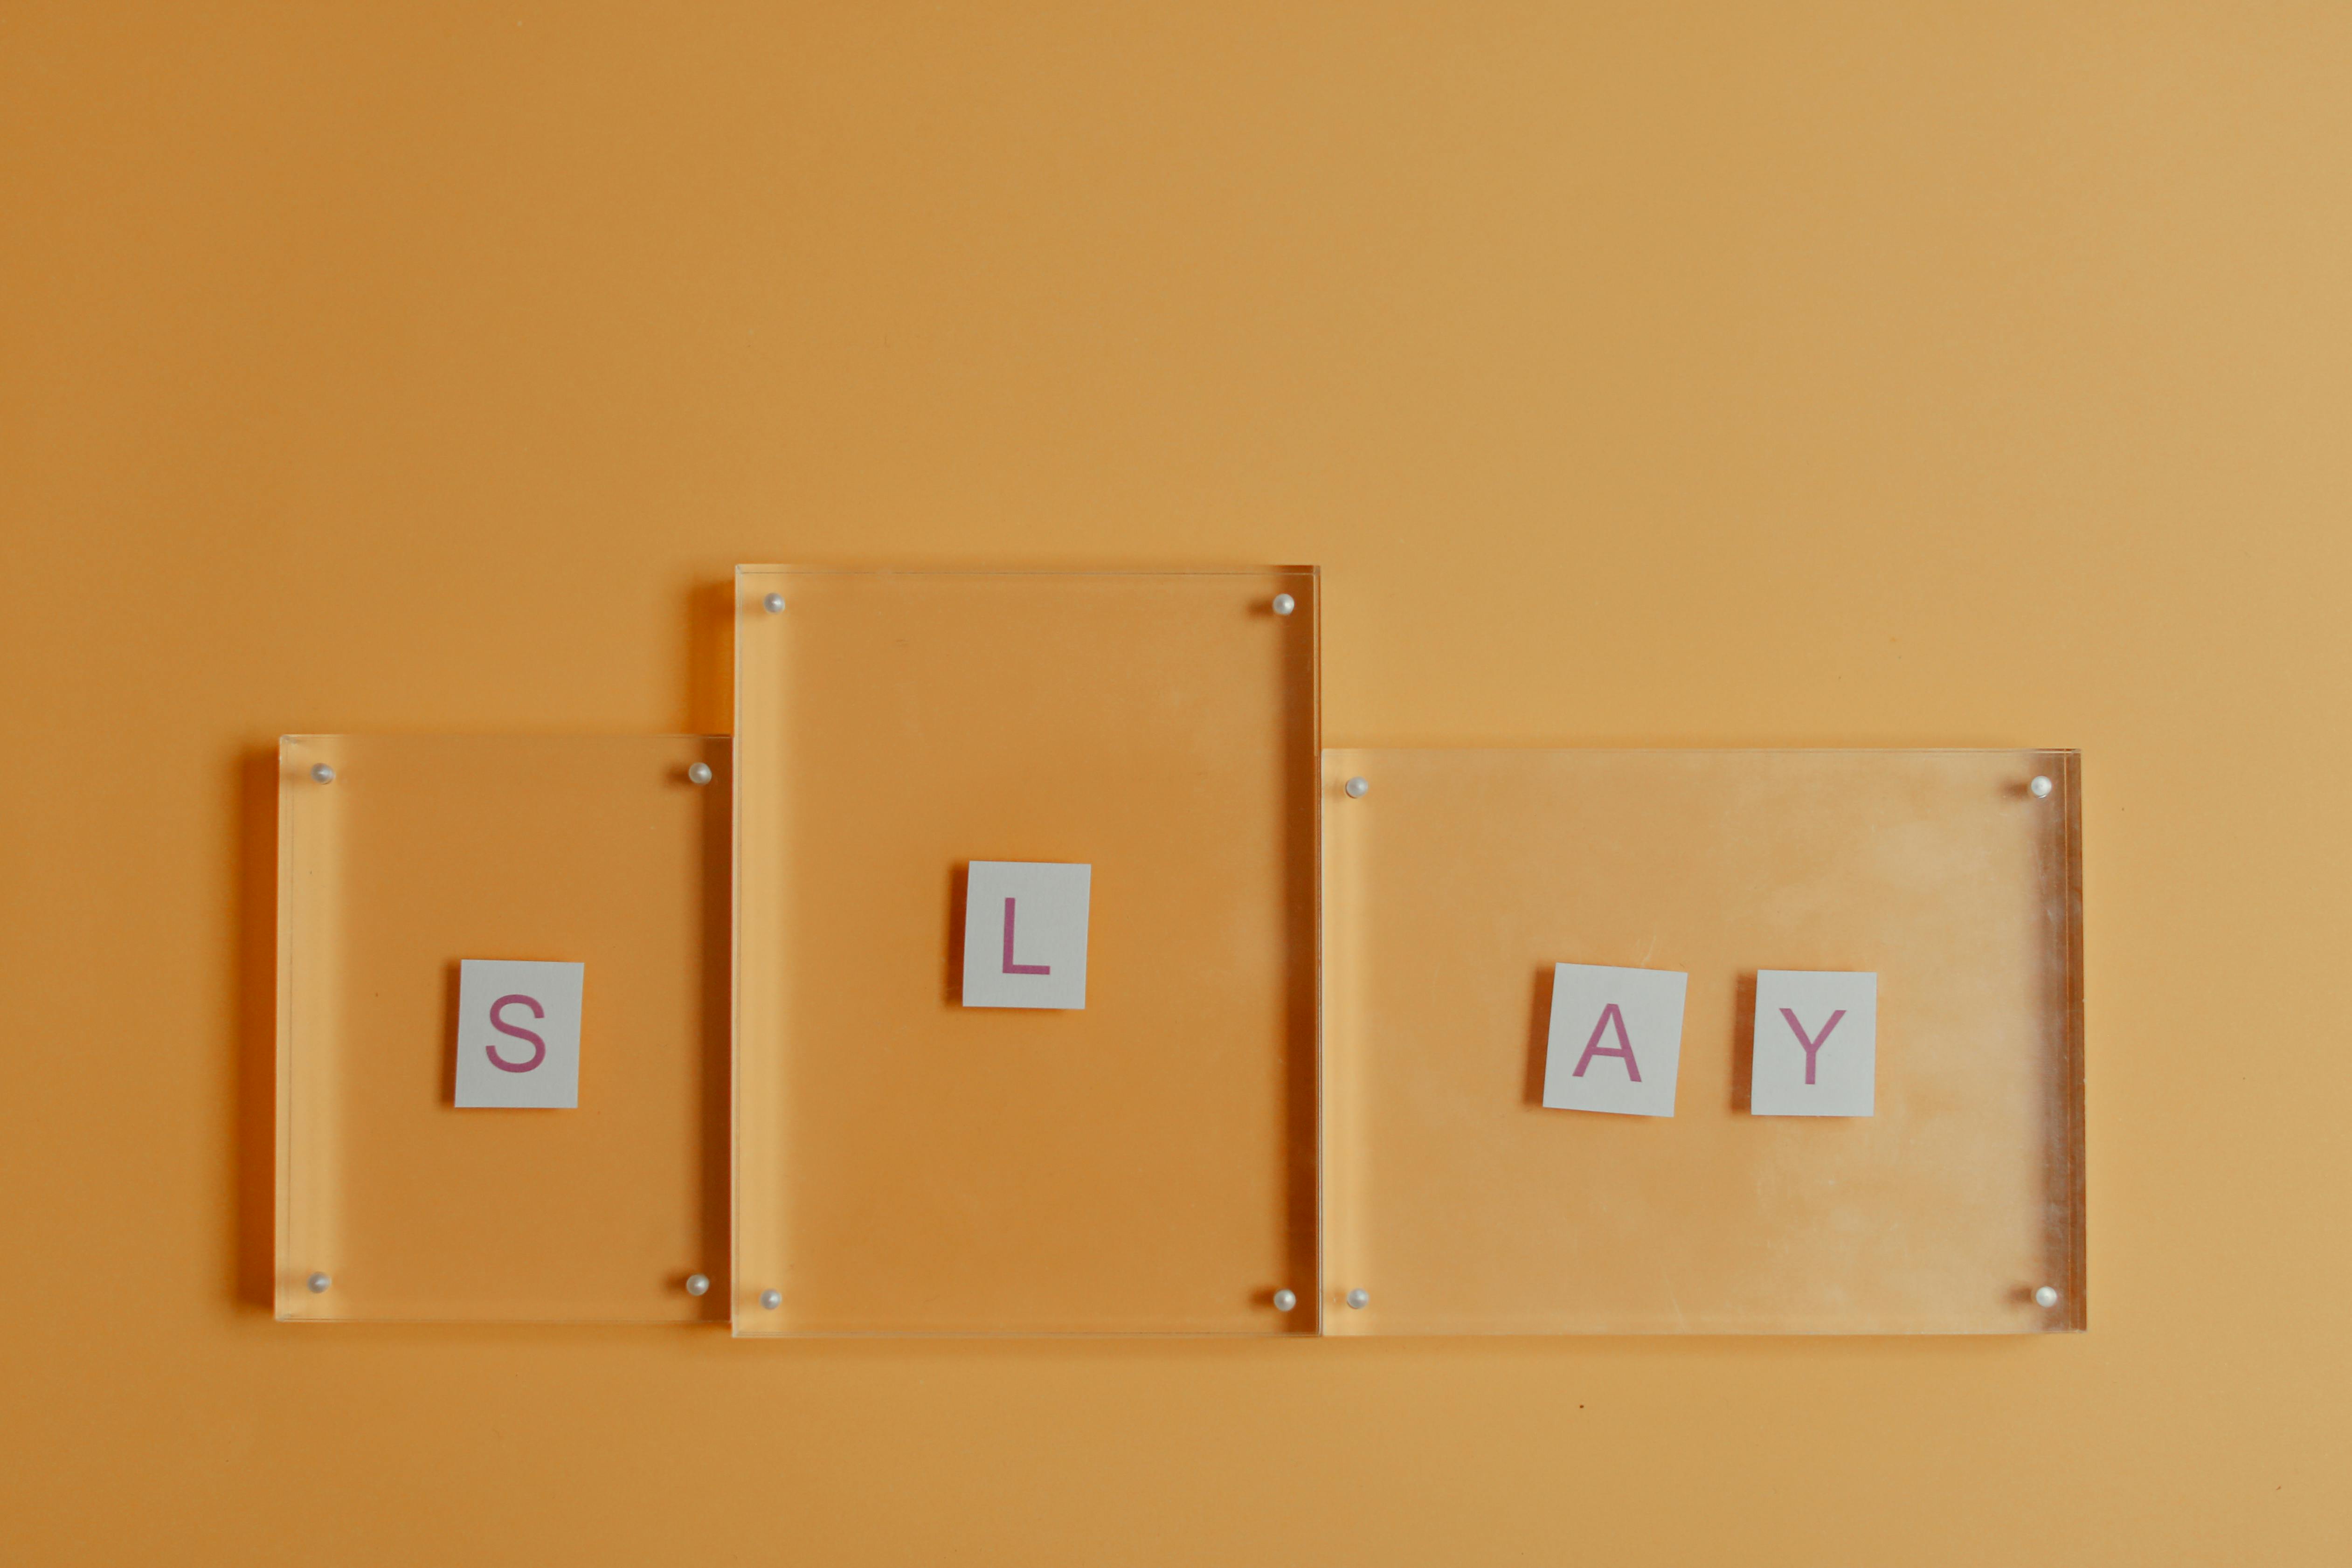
(1624, 1047)
(1600, 1012)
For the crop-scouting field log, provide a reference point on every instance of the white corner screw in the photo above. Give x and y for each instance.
(1284, 1299)
(1283, 604)
(772, 1299)
(317, 1283)
(1359, 787)
(2046, 1297)
(775, 603)
(700, 773)
(323, 774)
(698, 1284)
(2040, 789)
(1359, 1299)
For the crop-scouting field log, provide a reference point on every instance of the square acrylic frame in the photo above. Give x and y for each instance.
(1456, 1202)
(399, 858)
(1146, 1163)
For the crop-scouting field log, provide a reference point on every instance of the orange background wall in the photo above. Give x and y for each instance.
(1876, 374)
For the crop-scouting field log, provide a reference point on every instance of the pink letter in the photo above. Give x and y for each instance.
(1811, 1045)
(538, 1046)
(1624, 1047)
(1010, 966)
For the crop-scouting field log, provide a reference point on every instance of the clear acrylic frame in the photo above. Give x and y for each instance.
(1456, 1202)
(908, 1164)
(399, 858)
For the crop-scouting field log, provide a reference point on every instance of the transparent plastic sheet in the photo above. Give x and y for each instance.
(906, 1163)
(1456, 1203)
(421, 852)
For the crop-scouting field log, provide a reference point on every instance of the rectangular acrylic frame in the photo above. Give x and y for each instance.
(399, 857)
(1457, 1203)
(907, 1164)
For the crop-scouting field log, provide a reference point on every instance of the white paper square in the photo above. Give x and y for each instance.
(519, 1033)
(1615, 1042)
(1836, 1010)
(1025, 935)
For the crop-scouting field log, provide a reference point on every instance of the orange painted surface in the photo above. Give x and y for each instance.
(1724, 375)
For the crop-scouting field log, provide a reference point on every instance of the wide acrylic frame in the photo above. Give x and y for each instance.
(416, 852)
(1144, 1165)
(1456, 1203)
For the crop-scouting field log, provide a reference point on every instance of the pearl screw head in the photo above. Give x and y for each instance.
(323, 774)
(1283, 604)
(2046, 1297)
(775, 603)
(698, 1284)
(1284, 1299)
(1359, 787)
(1359, 1299)
(700, 773)
(317, 1283)
(772, 1299)
(2040, 789)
